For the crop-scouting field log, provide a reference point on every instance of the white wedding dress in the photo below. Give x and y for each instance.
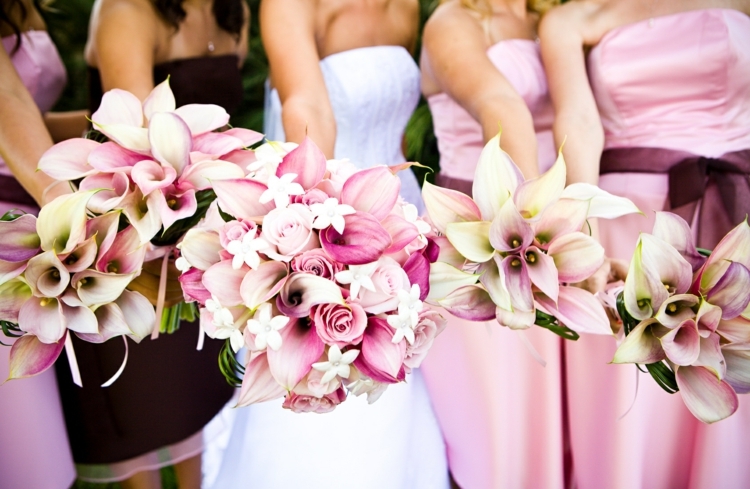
(394, 443)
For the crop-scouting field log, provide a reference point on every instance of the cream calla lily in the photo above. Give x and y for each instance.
(62, 223)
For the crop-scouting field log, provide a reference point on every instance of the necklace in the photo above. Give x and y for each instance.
(211, 46)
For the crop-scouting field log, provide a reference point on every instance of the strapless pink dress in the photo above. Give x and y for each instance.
(499, 408)
(680, 82)
(34, 450)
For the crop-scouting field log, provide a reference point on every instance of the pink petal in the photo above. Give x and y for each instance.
(711, 356)
(115, 187)
(576, 255)
(495, 179)
(150, 175)
(192, 286)
(43, 318)
(682, 345)
(674, 230)
(18, 239)
(111, 157)
(202, 118)
(147, 221)
(448, 253)
(201, 248)
(216, 143)
(247, 136)
(517, 282)
(258, 385)
(577, 309)
(224, 282)
(29, 356)
(534, 196)
(10, 270)
(444, 206)
(170, 140)
(542, 272)
(640, 346)
(174, 207)
(373, 191)
(493, 280)
(734, 247)
(402, 232)
(46, 275)
(81, 257)
(119, 107)
(68, 160)
(417, 268)
(735, 330)
(262, 284)
(126, 254)
(307, 161)
(161, 99)
(732, 291)
(111, 323)
(13, 294)
(95, 288)
(300, 348)
(509, 231)
(103, 229)
(241, 198)
(202, 175)
(738, 370)
(515, 320)
(381, 359)
(563, 217)
(364, 240)
(138, 312)
(302, 290)
(708, 398)
(470, 302)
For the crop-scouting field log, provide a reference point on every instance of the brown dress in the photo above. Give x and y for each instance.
(169, 390)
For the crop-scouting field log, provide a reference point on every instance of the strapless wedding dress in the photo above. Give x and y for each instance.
(394, 443)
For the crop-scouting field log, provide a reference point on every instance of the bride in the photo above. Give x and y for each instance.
(352, 91)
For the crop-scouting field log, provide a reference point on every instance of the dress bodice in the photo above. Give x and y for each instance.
(459, 136)
(373, 92)
(681, 81)
(202, 80)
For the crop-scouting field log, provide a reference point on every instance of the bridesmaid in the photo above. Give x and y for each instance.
(638, 88)
(153, 415)
(498, 407)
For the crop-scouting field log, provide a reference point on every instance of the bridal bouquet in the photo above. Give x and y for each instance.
(319, 270)
(134, 196)
(686, 317)
(512, 253)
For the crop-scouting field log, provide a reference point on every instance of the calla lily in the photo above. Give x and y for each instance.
(150, 175)
(735, 330)
(517, 282)
(62, 223)
(201, 248)
(161, 99)
(576, 256)
(738, 369)
(445, 206)
(562, 217)
(192, 286)
(201, 176)
(495, 179)
(29, 356)
(143, 213)
(120, 118)
(111, 323)
(469, 302)
(673, 229)
(112, 190)
(10, 270)
(734, 247)
(364, 240)
(19, 240)
(259, 285)
(174, 205)
(223, 281)
(494, 282)
(170, 140)
(241, 198)
(643, 291)
(402, 232)
(381, 359)
(542, 271)
(68, 160)
(300, 348)
(577, 309)
(641, 345)
(732, 291)
(103, 229)
(42, 317)
(666, 263)
(445, 278)
(708, 318)
(126, 255)
(534, 196)
(306, 161)
(448, 253)
(247, 136)
(682, 344)
(13, 294)
(709, 399)
(202, 118)
(677, 309)
(46, 275)
(509, 231)
(81, 257)
(138, 313)
(711, 356)
(602, 204)
(517, 319)
(258, 384)
(216, 143)
(471, 239)
(95, 288)
(111, 157)
(301, 291)
(373, 191)
(417, 268)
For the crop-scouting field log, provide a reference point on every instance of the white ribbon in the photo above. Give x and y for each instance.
(122, 367)
(72, 361)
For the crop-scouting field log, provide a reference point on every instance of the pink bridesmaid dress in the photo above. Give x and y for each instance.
(499, 408)
(34, 450)
(678, 82)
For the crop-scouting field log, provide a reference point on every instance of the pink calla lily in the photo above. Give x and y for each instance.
(417, 268)
(711, 356)
(641, 345)
(139, 314)
(201, 248)
(201, 176)
(577, 309)
(68, 160)
(111, 323)
(174, 205)
(708, 318)
(576, 256)
(364, 240)
(224, 282)
(534, 196)
(306, 161)
(103, 229)
(708, 398)
(10, 270)
(495, 179)
(445, 206)
(732, 291)
(402, 232)
(143, 213)
(241, 198)
(300, 348)
(509, 231)
(677, 309)
(734, 247)
(120, 118)
(126, 255)
(81, 257)
(95, 288)
(13, 294)
(563, 217)
(445, 278)
(161, 99)
(258, 385)
(494, 281)
(735, 330)
(42, 317)
(469, 302)
(111, 157)
(516, 319)
(247, 136)
(170, 140)
(217, 143)
(29, 356)
(112, 188)
(19, 240)
(150, 175)
(46, 275)
(260, 285)
(682, 344)
(373, 191)
(302, 291)
(379, 358)
(517, 282)
(542, 271)
(192, 286)
(202, 118)
(643, 292)
(673, 229)
(737, 369)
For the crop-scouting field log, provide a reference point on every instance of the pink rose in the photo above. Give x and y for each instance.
(290, 229)
(430, 324)
(388, 279)
(316, 387)
(305, 403)
(316, 262)
(340, 324)
(235, 231)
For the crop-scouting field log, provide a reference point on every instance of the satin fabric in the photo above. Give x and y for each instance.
(34, 450)
(499, 407)
(678, 82)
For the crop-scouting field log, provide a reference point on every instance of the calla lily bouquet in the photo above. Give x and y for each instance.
(135, 196)
(512, 253)
(686, 316)
(319, 270)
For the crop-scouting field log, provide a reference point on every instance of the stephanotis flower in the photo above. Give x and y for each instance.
(338, 364)
(524, 240)
(280, 188)
(245, 251)
(266, 327)
(357, 277)
(330, 213)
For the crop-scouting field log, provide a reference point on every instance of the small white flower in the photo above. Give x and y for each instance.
(246, 250)
(182, 264)
(330, 213)
(266, 328)
(411, 214)
(337, 364)
(357, 276)
(365, 385)
(280, 188)
(409, 303)
(224, 322)
(403, 324)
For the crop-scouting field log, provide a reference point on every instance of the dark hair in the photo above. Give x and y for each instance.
(6, 6)
(228, 13)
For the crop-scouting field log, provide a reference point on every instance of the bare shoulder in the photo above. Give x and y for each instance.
(125, 10)
(570, 15)
(450, 17)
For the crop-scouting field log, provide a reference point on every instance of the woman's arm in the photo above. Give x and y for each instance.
(454, 56)
(23, 135)
(288, 33)
(577, 119)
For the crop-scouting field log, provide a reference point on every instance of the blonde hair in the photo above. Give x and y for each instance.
(485, 9)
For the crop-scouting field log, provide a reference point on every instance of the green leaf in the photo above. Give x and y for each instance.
(229, 366)
(551, 323)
